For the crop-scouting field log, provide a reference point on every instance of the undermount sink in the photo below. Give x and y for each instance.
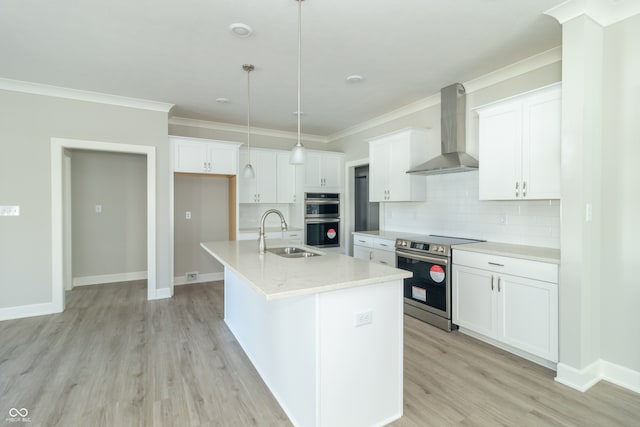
(293, 252)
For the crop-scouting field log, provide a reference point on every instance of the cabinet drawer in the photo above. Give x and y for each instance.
(384, 257)
(537, 270)
(362, 240)
(384, 244)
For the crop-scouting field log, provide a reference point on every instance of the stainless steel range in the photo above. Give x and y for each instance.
(427, 295)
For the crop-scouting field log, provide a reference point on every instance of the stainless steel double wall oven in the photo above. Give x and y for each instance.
(322, 219)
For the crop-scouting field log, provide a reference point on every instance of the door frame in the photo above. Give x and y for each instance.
(58, 145)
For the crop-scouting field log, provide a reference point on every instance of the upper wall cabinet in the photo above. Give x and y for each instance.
(519, 149)
(262, 188)
(195, 155)
(286, 179)
(390, 157)
(323, 171)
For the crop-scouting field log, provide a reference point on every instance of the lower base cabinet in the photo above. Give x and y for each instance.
(374, 249)
(521, 312)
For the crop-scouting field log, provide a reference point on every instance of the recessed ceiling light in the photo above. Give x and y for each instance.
(240, 30)
(354, 78)
(222, 100)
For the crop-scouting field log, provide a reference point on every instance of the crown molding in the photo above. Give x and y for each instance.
(521, 67)
(228, 127)
(604, 12)
(83, 95)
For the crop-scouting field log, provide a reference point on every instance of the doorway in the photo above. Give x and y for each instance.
(366, 213)
(60, 234)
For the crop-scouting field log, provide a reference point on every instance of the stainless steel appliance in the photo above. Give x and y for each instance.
(322, 219)
(427, 295)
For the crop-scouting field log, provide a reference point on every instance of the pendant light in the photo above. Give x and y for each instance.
(298, 151)
(248, 171)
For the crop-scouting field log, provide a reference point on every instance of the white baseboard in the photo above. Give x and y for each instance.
(584, 379)
(109, 278)
(30, 310)
(162, 293)
(205, 277)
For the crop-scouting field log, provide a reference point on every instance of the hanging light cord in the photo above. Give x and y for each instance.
(249, 108)
(299, 60)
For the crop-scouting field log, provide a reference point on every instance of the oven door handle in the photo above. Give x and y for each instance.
(441, 261)
(321, 202)
(321, 220)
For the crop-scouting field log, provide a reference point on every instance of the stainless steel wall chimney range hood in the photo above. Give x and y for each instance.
(454, 157)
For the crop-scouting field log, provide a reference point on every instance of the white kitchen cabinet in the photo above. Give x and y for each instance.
(194, 155)
(374, 249)
(390, 157)
(323, 171)
(519, 145)
(512, 301)
(262, 188)
(286, 179)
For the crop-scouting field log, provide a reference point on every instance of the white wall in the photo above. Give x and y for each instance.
(453, 209)
(28, 123)
(115, 240)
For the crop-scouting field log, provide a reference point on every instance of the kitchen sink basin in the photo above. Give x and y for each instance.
(292, 252)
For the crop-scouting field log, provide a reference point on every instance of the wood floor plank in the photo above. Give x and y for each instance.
(115, 359)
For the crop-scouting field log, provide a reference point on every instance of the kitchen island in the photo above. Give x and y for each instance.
(324, 332)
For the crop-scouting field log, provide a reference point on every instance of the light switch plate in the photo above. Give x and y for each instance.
(9, 210)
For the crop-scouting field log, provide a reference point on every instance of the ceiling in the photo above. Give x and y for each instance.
(182, 52)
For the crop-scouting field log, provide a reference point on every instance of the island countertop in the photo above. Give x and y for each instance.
(275, 277)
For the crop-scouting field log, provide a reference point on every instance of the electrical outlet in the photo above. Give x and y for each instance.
(363, 318)
(502, 219)
(191, 276)
(9, 210)
(98, 208)
(187, 215)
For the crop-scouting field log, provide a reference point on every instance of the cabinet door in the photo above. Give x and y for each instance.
(286, 179)
(528, 315)
(190, 157)
(474, 301)
(247, 186)
(265, 164)
(398, 160)
(362, 252)
(312, 168)
(541, 146)
(378, 171)
(500, 139)
(331, 172)
(224, 160)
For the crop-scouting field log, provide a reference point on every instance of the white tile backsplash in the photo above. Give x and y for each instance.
(453, 209)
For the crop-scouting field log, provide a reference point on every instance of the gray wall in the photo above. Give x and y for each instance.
(28, 124)
(207, 200)
(114, 241)
(620, 279)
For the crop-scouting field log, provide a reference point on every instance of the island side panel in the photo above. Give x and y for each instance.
(361, 366)
(279, 337)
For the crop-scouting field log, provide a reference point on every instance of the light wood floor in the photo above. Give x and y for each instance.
(114, 359)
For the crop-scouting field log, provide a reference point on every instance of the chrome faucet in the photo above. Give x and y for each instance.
(283, 224)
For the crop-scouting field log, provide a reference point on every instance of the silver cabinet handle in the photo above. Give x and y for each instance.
(370, 255)
(492, 279)
(498, 283)
(517, 189)
(383, 244)
(524, 188)
(362, 241)
(495, 263)
(383, 262)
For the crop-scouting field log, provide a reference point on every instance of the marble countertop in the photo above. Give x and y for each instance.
(533, 253)
(275, 277)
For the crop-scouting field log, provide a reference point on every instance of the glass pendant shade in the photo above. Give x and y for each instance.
(248, 171)
(298, 154)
